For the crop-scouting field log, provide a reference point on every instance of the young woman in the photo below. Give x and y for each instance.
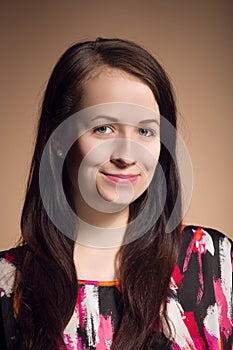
(97, 266)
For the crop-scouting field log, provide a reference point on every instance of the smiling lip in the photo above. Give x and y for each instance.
(121, 179)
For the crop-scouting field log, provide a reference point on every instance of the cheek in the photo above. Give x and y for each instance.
(92, 152)
(150, 161)
(151, 156)
(83, 161)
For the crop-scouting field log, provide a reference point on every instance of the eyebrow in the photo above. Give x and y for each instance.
(146, 121)
(115, 120)
(112, 119)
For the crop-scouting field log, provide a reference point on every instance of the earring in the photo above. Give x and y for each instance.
(59, 153)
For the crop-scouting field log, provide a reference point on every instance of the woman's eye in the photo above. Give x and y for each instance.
(146, 132)
(103, 130)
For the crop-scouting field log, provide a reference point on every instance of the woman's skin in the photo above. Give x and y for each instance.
(110, 85)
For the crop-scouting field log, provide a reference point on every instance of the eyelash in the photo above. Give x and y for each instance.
(152, 132)
(97, 130)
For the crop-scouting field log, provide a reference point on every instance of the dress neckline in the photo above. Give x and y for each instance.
(99, 283)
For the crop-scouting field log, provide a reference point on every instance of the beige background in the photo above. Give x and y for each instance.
(192, 39)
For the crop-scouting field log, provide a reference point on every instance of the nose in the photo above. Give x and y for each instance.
(123, 154)
(122, 163)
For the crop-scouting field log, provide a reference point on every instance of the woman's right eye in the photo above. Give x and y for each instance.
(103, 129)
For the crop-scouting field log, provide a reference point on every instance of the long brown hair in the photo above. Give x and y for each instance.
(46, 280)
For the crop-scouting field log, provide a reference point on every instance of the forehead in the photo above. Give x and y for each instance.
(115, 85)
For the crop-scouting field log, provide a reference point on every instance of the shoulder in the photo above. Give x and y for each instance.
(202, 286)
(206, 251)
(9, 260)
(205, 240)
(198, 232)
(205, 266)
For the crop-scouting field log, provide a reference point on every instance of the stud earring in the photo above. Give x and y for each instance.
(59, 153)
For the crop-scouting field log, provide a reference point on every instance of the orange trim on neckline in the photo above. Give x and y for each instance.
(99, 283)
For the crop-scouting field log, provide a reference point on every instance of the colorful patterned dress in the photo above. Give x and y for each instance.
(200, 310)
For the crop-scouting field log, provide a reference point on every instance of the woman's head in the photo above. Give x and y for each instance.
(105, 71)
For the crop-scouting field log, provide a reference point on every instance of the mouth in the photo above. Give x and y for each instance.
(123, 179)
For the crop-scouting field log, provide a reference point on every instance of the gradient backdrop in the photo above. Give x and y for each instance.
(192, 40)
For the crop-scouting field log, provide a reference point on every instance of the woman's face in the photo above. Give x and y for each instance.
(118, 157)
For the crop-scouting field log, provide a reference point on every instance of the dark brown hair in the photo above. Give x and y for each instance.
(46, 281)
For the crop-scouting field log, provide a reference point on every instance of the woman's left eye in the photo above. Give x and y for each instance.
(146, 132)
(104, 129)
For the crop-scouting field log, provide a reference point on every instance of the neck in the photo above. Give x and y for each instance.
(99, 229)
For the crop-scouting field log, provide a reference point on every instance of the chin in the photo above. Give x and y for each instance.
(112, 198)
(125, 198)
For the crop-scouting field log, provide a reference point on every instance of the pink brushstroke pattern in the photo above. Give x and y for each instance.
(197, 246)
(105, 333)
(212, 340)
(191, 324)
(80, 306)
(224, 321)
(68, 342)
(193, 246)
